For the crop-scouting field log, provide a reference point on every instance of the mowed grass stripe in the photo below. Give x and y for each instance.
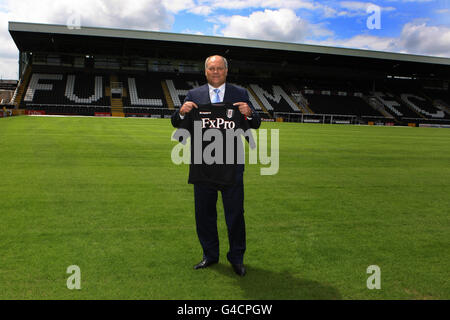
(104, 194)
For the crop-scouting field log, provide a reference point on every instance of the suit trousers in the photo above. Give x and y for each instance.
(206, 220)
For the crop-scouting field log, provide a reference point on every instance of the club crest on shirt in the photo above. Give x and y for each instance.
(230, 113)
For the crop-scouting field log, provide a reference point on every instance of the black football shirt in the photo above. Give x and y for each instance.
(209, 165)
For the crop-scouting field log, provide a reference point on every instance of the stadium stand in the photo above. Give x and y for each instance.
(340, 103)
(274, 98)
(439, 99)
(257, 104)
(21, 86)
(145, 95)
(143, 92)
(392, 105)
(143, 74)
(421, 106)
(178, 89)
(406, 101)
(157, 94)
(7, 89)
(71, 93)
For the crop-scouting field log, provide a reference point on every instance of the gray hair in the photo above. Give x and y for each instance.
(223, 58)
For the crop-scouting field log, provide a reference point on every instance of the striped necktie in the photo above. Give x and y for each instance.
(216, 98)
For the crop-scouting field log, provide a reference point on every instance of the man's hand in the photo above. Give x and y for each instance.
(244, 108)
(187, 107)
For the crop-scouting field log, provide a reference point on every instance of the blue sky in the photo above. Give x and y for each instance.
(393, 18)
(405, 26)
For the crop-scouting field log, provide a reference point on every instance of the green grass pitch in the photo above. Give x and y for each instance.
(103, 194)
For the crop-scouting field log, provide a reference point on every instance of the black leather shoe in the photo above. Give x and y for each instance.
(205, 263)
(239, 269)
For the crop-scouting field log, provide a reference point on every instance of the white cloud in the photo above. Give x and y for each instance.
(268, 19)
(415, 38)
(9, 68)
(358, 8)
(423, 39)
(410, 0)
(8, 48)
(202, 10)
(134, 14)
(176, 6)
(260, 4)
(366, 42)
(189, 31)
(273, 4)
(443, 11)
(210, 6)
(280, 25)
(216, 29)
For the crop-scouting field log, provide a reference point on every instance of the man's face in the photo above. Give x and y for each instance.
(215, 72)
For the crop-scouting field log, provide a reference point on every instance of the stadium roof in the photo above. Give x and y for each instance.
(31, 37)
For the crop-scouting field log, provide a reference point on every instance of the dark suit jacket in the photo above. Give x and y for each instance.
(233, 94)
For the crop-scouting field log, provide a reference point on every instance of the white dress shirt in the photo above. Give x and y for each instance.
(212, 94)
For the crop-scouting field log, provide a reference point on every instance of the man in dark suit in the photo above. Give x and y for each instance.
(217, 91)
